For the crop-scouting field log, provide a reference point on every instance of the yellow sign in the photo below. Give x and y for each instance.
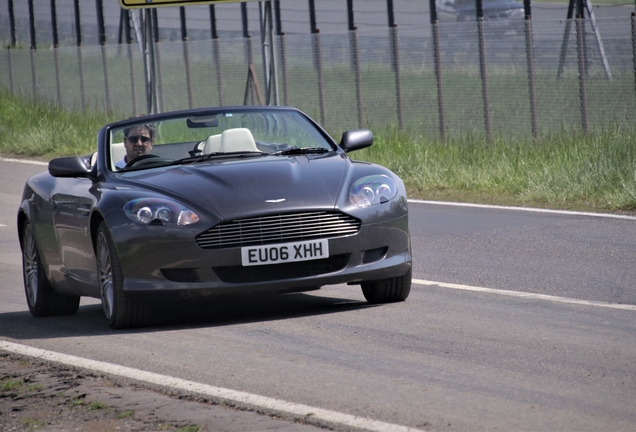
(130, 4)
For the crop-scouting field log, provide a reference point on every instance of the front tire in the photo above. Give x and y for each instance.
(41, 298)
(120, 311)
(387, 290)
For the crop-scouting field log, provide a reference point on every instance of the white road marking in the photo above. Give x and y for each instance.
(526, 209)
(24, 161)
(298, 410)
(528, 295)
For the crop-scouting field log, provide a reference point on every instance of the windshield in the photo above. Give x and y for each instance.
(191, 139)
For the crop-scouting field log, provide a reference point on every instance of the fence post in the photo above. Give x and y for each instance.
(395, 49)
(484, 78)
(56, 56)
(438, 69)
(283, 50)
(80, 63)
(274, 64)
(157, 77)
(11, 46)
(355, 59)
(482, 68)
(34, 80)
(249, 56)
(216, 55)
(566, 36)
(317, 59)
(531, 74)
(268, 52)
(123, 13)
(634, 44)
(580, 43)
(186, 55)
(102, 42)
(133, 89)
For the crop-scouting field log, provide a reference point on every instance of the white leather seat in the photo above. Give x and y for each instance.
(117, 153)
(238, 139)
(211, 145)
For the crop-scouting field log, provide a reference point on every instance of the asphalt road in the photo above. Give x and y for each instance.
(446, 359)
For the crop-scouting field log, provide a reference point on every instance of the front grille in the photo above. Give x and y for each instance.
(280, 228)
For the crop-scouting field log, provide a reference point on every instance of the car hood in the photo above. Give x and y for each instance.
(245, 187)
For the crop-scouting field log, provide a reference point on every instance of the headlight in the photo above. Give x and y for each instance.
(371, 190)
(161, 211)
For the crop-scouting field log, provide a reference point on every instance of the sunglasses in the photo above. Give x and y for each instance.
(136, 138)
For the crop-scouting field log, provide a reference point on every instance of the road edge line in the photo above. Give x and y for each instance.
(24, 161)
(526, 295)
(244, 398)
(525, 209)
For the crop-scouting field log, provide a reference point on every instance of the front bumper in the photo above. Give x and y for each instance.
(377, 251)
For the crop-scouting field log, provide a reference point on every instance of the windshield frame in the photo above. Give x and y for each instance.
(207, 119)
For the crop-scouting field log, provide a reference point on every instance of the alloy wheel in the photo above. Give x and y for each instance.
(105, 275)
(30, 267)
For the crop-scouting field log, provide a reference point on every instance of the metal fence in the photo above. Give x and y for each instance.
(449, 79)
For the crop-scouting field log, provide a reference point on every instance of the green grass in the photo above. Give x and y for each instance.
(11, 385)
(76, 401)
(562, 170)
(125, 414)
(94, 406)
(36, 129)
(565, 171)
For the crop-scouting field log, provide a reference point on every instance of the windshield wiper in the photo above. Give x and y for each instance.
(218, 155)
(304, 150)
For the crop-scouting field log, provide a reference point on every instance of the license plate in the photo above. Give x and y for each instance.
(285, 252)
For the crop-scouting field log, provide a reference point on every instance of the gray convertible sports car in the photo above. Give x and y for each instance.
(211, 201)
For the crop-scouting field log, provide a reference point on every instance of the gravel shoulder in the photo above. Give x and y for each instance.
(37, 396)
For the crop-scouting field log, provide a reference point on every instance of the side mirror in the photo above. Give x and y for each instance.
(356, 139)
(71, 166)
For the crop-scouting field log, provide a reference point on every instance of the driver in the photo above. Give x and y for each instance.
(138, 141)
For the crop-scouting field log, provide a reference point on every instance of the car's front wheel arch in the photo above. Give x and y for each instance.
(22, 219)
(119, 309)
(96, 219)
(42, 299)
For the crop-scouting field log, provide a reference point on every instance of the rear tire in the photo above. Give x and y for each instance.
(387, 290)
(120, 311)
(41, 298)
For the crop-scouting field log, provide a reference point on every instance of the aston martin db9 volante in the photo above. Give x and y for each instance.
(211, 201)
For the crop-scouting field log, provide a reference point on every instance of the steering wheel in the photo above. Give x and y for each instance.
(140, 158)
